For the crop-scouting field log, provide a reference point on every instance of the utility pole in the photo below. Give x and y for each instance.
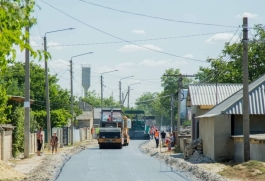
(172, 111)
(128, 106)
(47, 96)
(101, 82)
(179, 98)
(120, 93)
(27, 102)
(72, 96)
(179, 104)
(72, 102)
(245, 92)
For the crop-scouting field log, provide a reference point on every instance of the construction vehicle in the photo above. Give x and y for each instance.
(112, 132)
(138, 125)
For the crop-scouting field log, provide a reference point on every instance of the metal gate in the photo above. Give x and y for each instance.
(65, 135)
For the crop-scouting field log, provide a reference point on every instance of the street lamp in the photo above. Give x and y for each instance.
(101, 79)
(72, 99)
(120, 87)
(47, 86)
(129, 93)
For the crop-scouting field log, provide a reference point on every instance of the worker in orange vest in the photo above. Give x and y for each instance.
(156, 134)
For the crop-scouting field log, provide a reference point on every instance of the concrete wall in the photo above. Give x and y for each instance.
(7, 145)
(83, 123)
(215, 133)
(207, 129)
(195, 110)
(223, 143)
(256, 152)
(257, 124)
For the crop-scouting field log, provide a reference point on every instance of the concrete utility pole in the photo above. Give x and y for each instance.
(120, 97)
(47, 95)
(179, 104)
(172, 111)
(128, 106)
(72, 96)
(101, 82)
(120, 93)
(27, 103)
(179, 98)
(129, 93)
(101, 96)
(47, 87)
(245, 92)
(72, 102)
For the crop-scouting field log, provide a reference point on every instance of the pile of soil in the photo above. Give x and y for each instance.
(180, 164)
(8, 173)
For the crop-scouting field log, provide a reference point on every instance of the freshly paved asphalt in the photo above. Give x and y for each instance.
(127, 164)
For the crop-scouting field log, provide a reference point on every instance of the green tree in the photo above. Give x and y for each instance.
(60, 117)
(17, 119)
(227, 68)
(93, 99)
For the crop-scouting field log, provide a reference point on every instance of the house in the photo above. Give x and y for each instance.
(221, 128)
(202, 97)
(86, 118)
(97, 116)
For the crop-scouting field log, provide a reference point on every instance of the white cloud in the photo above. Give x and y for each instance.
(188, 56)
(246, 14)
(222, 37)
(54, 45)
(139, 32)
(165, 63)
(134, 48)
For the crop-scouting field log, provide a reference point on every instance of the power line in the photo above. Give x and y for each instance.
(151, 39)
(154, 17)
(106, 33)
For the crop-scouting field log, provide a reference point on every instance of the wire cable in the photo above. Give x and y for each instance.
(154, 17)
(106, 33)
(151, 39)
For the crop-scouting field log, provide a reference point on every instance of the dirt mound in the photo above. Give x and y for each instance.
(8, 173)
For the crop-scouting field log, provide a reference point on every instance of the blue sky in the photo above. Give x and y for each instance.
(147, 66)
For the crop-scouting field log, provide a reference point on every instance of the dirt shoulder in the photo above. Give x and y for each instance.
(197, 170)
(45, 167)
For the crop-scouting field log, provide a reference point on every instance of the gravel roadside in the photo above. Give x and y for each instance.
(51, 165)
(179, 163)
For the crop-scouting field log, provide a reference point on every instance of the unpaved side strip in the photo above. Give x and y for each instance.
(51, 165)
(180, 164)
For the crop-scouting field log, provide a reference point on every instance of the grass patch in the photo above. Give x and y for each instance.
(251, 170)
(177, 149)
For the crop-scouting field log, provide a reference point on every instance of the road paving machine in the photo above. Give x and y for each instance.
(113, 129)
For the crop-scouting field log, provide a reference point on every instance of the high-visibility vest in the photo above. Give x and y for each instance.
(97, 130)
(156, 134)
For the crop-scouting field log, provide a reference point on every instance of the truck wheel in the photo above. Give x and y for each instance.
(121, 146)
(100, 146)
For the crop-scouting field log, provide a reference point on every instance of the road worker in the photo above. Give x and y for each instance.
(156, 134)
(97, 131)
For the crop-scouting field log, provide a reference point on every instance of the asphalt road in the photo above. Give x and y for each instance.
(127, 164)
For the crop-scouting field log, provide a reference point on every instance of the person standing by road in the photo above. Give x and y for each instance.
(163, 137)
(92, 132)
(152, 131)
(97, 131)
(39, 141)
(172, 140)
(156, 134)
(54, 142)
